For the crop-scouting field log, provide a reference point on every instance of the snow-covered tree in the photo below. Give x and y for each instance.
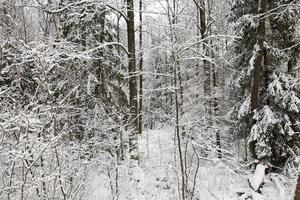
(272, 126)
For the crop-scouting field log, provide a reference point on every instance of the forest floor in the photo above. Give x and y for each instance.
(157, 176)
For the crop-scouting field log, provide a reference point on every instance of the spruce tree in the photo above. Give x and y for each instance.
(271, 127)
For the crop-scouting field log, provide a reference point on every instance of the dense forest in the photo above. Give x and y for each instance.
(149, 99)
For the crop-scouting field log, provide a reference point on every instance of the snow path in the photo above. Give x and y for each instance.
(157, 160)
(157, 176)
(154, 179)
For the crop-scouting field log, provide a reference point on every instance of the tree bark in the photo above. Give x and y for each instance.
(258, 63)
(290, 66)
(133, 101)
(178, 137)
(206, 64)
(101, 70)
(141, 69)
(216, 111)
(261, 29)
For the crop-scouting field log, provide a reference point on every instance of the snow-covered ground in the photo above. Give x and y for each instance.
(157, 176)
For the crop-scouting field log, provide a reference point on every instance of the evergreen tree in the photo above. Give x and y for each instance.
(271, 127)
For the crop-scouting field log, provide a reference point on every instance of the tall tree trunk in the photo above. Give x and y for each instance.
(261, 29)
(178, 137)
(133, 101)
(141, 69)
(258, 63)
(101, 70)
(179, 132)
(209, 75)
(206, 64)
(216, 111)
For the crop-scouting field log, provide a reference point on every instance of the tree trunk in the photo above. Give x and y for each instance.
(101, 70)
(261, 29)
(207, 74)
(178, 137)
(202, 18)
(258, 62)
(216, 111)
(179, 133)
(206, 64)
(141, 69)
(291, 64)
(133, 101)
